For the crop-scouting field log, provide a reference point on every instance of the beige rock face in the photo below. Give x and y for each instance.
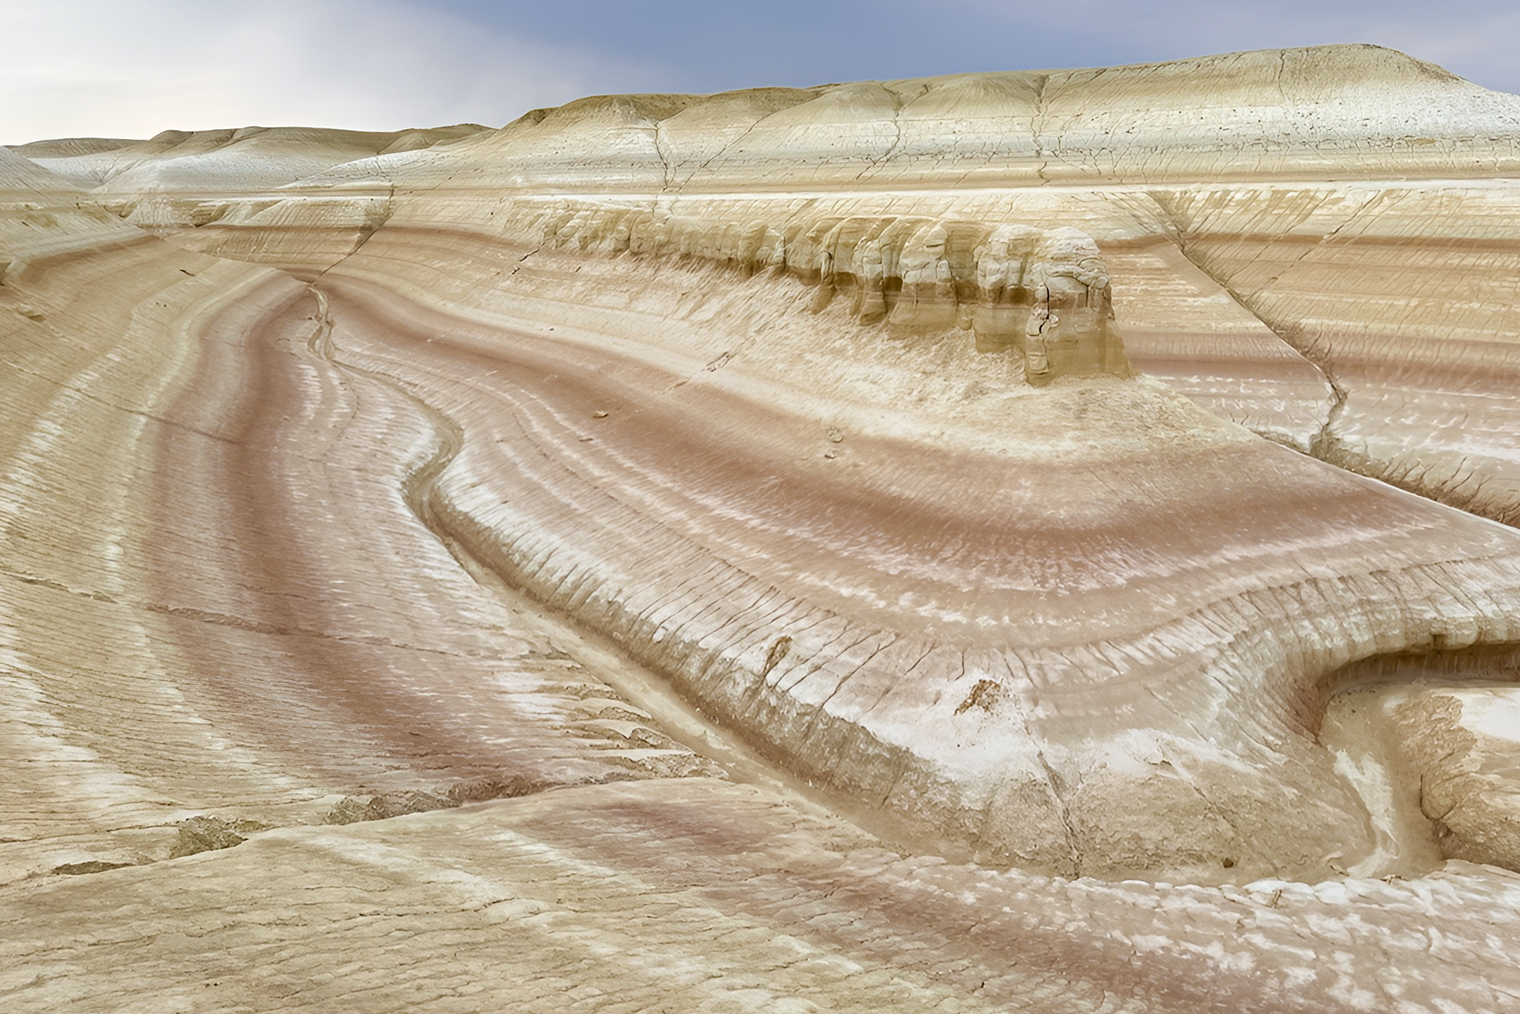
(1452, 748)
(180, 639)
(969, 467)
(692, 894)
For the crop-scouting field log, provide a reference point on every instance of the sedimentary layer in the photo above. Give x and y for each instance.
(857, 356)
(1269, 208)
(991, 460)
(213, 575)
(699, 894)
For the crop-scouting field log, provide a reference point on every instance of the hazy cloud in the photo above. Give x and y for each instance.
(131, 69)
(134, 67)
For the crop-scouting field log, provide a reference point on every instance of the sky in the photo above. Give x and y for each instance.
(130, 68)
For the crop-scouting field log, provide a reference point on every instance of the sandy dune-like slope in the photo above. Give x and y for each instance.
(966, 508)
(208, 162)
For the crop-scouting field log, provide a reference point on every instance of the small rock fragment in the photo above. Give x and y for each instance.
(207, 834)
(92, 866)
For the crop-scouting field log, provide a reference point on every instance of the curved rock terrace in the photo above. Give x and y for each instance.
(1038, 541)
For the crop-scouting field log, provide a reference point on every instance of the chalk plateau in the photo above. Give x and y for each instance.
(1025, 541)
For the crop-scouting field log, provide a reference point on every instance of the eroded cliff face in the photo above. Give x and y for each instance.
(938, 453)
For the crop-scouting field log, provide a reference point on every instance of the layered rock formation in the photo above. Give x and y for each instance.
(887, 446)
(179, 639)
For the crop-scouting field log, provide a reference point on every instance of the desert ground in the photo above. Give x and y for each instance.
(1033, 541)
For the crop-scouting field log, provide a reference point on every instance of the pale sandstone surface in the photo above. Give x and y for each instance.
(1466, 742)
(1245, 195)
(1450, 747)
(1338, 111)
(176, 161)
(217, 598)
(1098, 547)
(69, 147)
(168, 179)
(697, 895)
(820, 405)
(826, 306)
(1405, 295)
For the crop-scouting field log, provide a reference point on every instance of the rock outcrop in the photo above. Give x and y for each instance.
(990, 460)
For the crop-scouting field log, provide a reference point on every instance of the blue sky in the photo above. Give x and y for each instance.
(134, 67)
(708, 46)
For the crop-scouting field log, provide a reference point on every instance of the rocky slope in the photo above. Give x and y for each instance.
(975, 458)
